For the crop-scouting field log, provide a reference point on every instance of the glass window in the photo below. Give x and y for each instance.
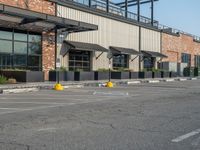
(6, 35)
(20, 37)
(186, 58)
(34, 61)
(14, 51)
(197, 60)
(120, 61)
(20, 48)
(34, 38)
(79, 60)
(5, 46)
(5, 61)
(20, 60)
(35, 48)
(149, 62)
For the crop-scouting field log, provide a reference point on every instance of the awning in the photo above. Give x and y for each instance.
(71, 45)
(153, 54)
(27, 19)
(120, 50)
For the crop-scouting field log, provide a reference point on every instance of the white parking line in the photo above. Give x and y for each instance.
(186, 136)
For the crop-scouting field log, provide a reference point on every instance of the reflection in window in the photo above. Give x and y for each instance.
(15, 49)
(5, 46)
(20, 48)
(186, 58)
(197, 60)
(20, 60)
(149, 62)
(20, 37)
(34, 38)
(120, 61)
(6, 35)
(79, 60)
(5, 61)
(35, 48)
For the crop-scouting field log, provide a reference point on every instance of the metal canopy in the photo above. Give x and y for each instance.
(71, 45)
(153, 54)
(121, 50)
(22, 17)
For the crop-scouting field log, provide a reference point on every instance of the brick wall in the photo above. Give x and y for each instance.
(48, 53)
(173, 46)
(35, 5)
(48, 43)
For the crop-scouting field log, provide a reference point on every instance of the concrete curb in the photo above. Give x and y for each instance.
(22, 90)
(33, 88)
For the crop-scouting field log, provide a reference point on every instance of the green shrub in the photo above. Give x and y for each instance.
(103, 70)
(3, 79)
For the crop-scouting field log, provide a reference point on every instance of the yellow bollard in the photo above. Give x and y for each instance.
(109, 84)
(58, 87)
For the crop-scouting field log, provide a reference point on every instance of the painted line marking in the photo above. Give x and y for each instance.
(186, 136)
(47, 129)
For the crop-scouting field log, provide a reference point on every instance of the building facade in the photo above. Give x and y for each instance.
(88, 37)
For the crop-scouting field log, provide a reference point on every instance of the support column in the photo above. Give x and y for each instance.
(107, 6)
(140, 57)
(138, 10)
(126, 8)
(152, 12)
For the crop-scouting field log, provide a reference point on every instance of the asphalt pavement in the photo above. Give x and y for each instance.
(153, 116)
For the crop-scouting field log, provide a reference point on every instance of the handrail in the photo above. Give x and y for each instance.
(114, 9)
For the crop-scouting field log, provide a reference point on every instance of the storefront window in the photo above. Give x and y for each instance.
(5, 46)
(20, 60)
(149, 62)
(6, 35)
(20, 50)
(79, 60)
(120, 61)
(186, 58)
(197, 60)
(5, 61)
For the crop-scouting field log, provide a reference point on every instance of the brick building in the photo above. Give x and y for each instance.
(181, 48)
(34, 33)
(27, 34)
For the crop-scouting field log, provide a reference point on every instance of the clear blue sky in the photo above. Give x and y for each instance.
(179, 14)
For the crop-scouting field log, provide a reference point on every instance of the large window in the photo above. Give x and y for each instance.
(149, 62)
(20, 50)
(186, 58)
(120, 61)
(79, 60)
(197, 60)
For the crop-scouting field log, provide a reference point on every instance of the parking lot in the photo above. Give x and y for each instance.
(138, 117)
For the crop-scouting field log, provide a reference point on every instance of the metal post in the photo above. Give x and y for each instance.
(140, 48)
(138, 10)
(109, 70)
(152, 12)
(107, 6)
(89, 3)
(126, 8)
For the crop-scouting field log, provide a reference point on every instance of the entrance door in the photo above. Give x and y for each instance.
(79, 60)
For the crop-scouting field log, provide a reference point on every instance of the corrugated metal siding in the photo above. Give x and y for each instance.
(110, 33)
(150, 40)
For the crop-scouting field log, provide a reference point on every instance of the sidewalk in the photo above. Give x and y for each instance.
(28, 87)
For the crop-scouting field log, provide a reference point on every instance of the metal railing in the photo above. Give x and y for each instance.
(116, 10)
